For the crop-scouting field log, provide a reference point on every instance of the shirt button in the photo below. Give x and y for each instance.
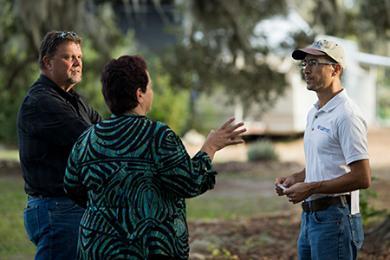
(312, 129)
(316, 117)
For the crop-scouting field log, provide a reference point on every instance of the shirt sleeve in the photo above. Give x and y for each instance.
(54, 120)
(179, 173)
(72, 181)
(353, 138)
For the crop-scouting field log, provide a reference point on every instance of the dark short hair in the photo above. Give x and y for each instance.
(120, 80)
(52, 40)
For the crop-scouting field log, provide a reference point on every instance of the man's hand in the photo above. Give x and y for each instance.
(300, 191)
(286, 182)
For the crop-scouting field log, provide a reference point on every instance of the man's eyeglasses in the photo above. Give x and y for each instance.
(314, 63)
(64, 35)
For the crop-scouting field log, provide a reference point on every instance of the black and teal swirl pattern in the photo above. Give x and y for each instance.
(133, 174)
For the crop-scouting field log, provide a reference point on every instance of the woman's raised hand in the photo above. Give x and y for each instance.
(228, 134)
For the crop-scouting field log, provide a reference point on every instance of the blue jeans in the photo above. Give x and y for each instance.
(52, 224)
(331, 234)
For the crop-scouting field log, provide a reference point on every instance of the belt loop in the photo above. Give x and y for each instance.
(344, 200)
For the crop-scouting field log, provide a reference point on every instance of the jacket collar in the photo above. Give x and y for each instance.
(48, 82)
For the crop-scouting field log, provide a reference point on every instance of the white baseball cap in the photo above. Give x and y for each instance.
(322, 47)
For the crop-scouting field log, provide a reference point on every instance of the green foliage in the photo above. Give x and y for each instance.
(217, 50)
(210, 111)
(10, 99)
(367, 211)
(22, 26)
(262, 151)
(169, 105)
(90, 87)
(14, 58)
(384, 94)
(367, 22)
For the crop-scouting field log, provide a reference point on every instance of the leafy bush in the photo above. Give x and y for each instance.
(262, 151)
(367, 211)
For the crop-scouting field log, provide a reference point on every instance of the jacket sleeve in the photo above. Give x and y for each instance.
(73, 180)
(93, 115)
(177, 172)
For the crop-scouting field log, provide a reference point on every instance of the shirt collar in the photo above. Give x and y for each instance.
(48, 82)
(333, 103)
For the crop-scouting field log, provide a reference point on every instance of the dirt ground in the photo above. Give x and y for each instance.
(256, 238)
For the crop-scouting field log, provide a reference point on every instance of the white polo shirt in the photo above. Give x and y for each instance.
(335, 135)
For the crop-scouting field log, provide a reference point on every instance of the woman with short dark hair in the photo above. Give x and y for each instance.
(136, 173)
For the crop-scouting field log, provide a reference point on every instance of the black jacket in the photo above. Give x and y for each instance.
(49, 122)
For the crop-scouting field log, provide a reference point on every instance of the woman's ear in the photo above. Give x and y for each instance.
(140, 95)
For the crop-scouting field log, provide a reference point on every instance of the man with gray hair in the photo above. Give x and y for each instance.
(50, 119)
(337, 165)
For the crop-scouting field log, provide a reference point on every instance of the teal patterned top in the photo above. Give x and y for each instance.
(132, 174)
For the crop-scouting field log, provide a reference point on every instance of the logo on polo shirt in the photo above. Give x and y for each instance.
(323, 129)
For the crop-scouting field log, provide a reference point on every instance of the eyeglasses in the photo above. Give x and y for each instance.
(63, 35)
(314, 63)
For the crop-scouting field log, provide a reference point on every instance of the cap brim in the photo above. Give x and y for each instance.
(300, 54)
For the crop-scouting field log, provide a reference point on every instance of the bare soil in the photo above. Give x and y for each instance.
(272, 237)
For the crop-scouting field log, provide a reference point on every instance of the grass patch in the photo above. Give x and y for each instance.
(227, 208)
(9, 155)
(237, 195)
(14, 243)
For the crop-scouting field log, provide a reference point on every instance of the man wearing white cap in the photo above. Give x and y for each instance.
(337, 165)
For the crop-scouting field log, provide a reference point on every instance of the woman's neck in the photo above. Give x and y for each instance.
(137, 111)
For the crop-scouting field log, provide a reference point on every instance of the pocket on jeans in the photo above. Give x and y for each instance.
(31, 222)
(65, 208)
(357, 230)
(329, 215)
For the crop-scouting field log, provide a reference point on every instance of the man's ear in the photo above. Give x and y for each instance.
(46, 63)
(336, 69)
